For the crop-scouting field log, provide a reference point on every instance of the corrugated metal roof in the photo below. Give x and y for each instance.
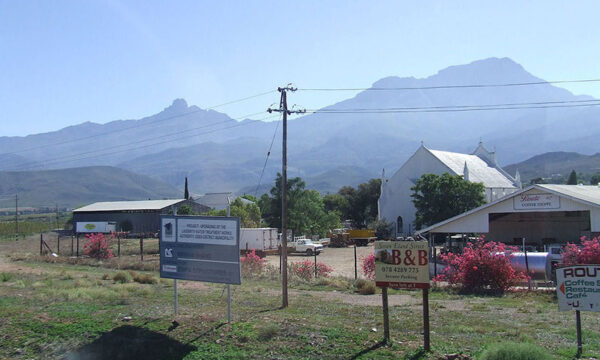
(479, 170)
(129, 205)
(582, 193)
(588, 193)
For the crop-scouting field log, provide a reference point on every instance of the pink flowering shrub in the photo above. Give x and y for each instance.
(305, 269)
(368, 266)
(252, 264)
(482, 267)
(97, 247)
(587, 253)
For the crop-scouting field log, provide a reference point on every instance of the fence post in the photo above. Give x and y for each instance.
(315, 264)
(41, 242)
(71, 245)
(77, 245)
(142, 247)
(118, 245)
(58, 245)
(355, 264)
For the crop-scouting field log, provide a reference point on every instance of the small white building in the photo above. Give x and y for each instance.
(542, 214)
(395, 202)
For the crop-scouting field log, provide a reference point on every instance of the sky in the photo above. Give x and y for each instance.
(67, 62)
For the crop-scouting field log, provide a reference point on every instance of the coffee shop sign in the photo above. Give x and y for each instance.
(536, 201)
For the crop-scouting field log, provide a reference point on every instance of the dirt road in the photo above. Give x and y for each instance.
(340, 259)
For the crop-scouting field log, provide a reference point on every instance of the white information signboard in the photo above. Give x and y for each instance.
(536, 201)
(578, 287)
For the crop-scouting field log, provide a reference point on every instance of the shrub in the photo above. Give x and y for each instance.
(365, 287)
(514, 351)
(588, 253)
(5, 277)
(305, 269)
(252, 264)
(144, 279)
(482, 267)
(368, 266)
(97, 247)
(122, 277)
(267, 332)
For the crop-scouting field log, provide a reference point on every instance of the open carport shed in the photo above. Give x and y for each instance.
(543, 214)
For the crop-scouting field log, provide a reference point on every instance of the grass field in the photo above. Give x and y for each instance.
(77, 308)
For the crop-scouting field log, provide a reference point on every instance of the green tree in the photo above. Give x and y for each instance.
(249, 214)
(595, 179)
(337, 202)
(383, 229)
(306, 210)
(438, 198)
(186, 209)
(572, 178)
(362, 209)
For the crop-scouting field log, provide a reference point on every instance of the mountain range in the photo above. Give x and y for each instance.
(328, 148)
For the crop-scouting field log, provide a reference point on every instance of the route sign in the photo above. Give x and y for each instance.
(402, 264)
(200, 248)
(578, 287)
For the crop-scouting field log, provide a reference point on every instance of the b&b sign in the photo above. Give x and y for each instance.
(402, 264)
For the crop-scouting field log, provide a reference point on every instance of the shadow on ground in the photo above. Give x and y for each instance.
(131, 342)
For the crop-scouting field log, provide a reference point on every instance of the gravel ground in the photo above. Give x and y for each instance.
(340, 259)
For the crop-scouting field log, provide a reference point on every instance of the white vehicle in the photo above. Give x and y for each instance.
(305, 246)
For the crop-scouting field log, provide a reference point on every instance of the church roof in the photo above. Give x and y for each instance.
(479, 170)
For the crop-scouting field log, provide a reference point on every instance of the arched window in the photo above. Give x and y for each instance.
(399, 225)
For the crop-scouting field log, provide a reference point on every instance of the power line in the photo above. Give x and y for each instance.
(438, 110)
(266, 159)
(62, 159)
(138, 125)
(453, 86)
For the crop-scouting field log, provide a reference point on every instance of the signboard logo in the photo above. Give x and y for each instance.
(168, 252)
(90, 226)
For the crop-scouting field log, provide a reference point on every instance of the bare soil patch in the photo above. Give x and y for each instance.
(340, 259)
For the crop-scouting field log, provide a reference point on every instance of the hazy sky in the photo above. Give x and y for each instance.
(66, 62)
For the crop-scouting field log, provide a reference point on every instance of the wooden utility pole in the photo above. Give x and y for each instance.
(283, 108)
(17, 217)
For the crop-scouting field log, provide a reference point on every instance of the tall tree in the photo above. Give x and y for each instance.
(306, 209)
(362, 202)
(248, 213)
(572, 178)
(186, 193)
(438, 198)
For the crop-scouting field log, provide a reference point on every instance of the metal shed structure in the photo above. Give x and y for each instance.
(135, 216)
(543, 214)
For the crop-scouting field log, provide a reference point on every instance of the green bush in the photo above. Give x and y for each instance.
(122, 277)
(365, 287)
(5, 277)
(144, 279)
(514, 351)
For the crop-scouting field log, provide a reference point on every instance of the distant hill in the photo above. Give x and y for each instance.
(79, 186)
(557, 165)
(374, 130)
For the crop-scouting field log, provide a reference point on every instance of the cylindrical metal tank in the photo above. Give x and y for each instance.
(540, 266)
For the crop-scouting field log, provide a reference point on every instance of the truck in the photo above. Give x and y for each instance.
(263, 240)
(361, 237)
(305, 246)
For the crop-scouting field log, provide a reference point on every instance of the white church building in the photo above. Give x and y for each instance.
(395, 203)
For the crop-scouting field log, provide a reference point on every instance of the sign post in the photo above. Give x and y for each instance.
(200, 248)
(403, 265)
(578, 288)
